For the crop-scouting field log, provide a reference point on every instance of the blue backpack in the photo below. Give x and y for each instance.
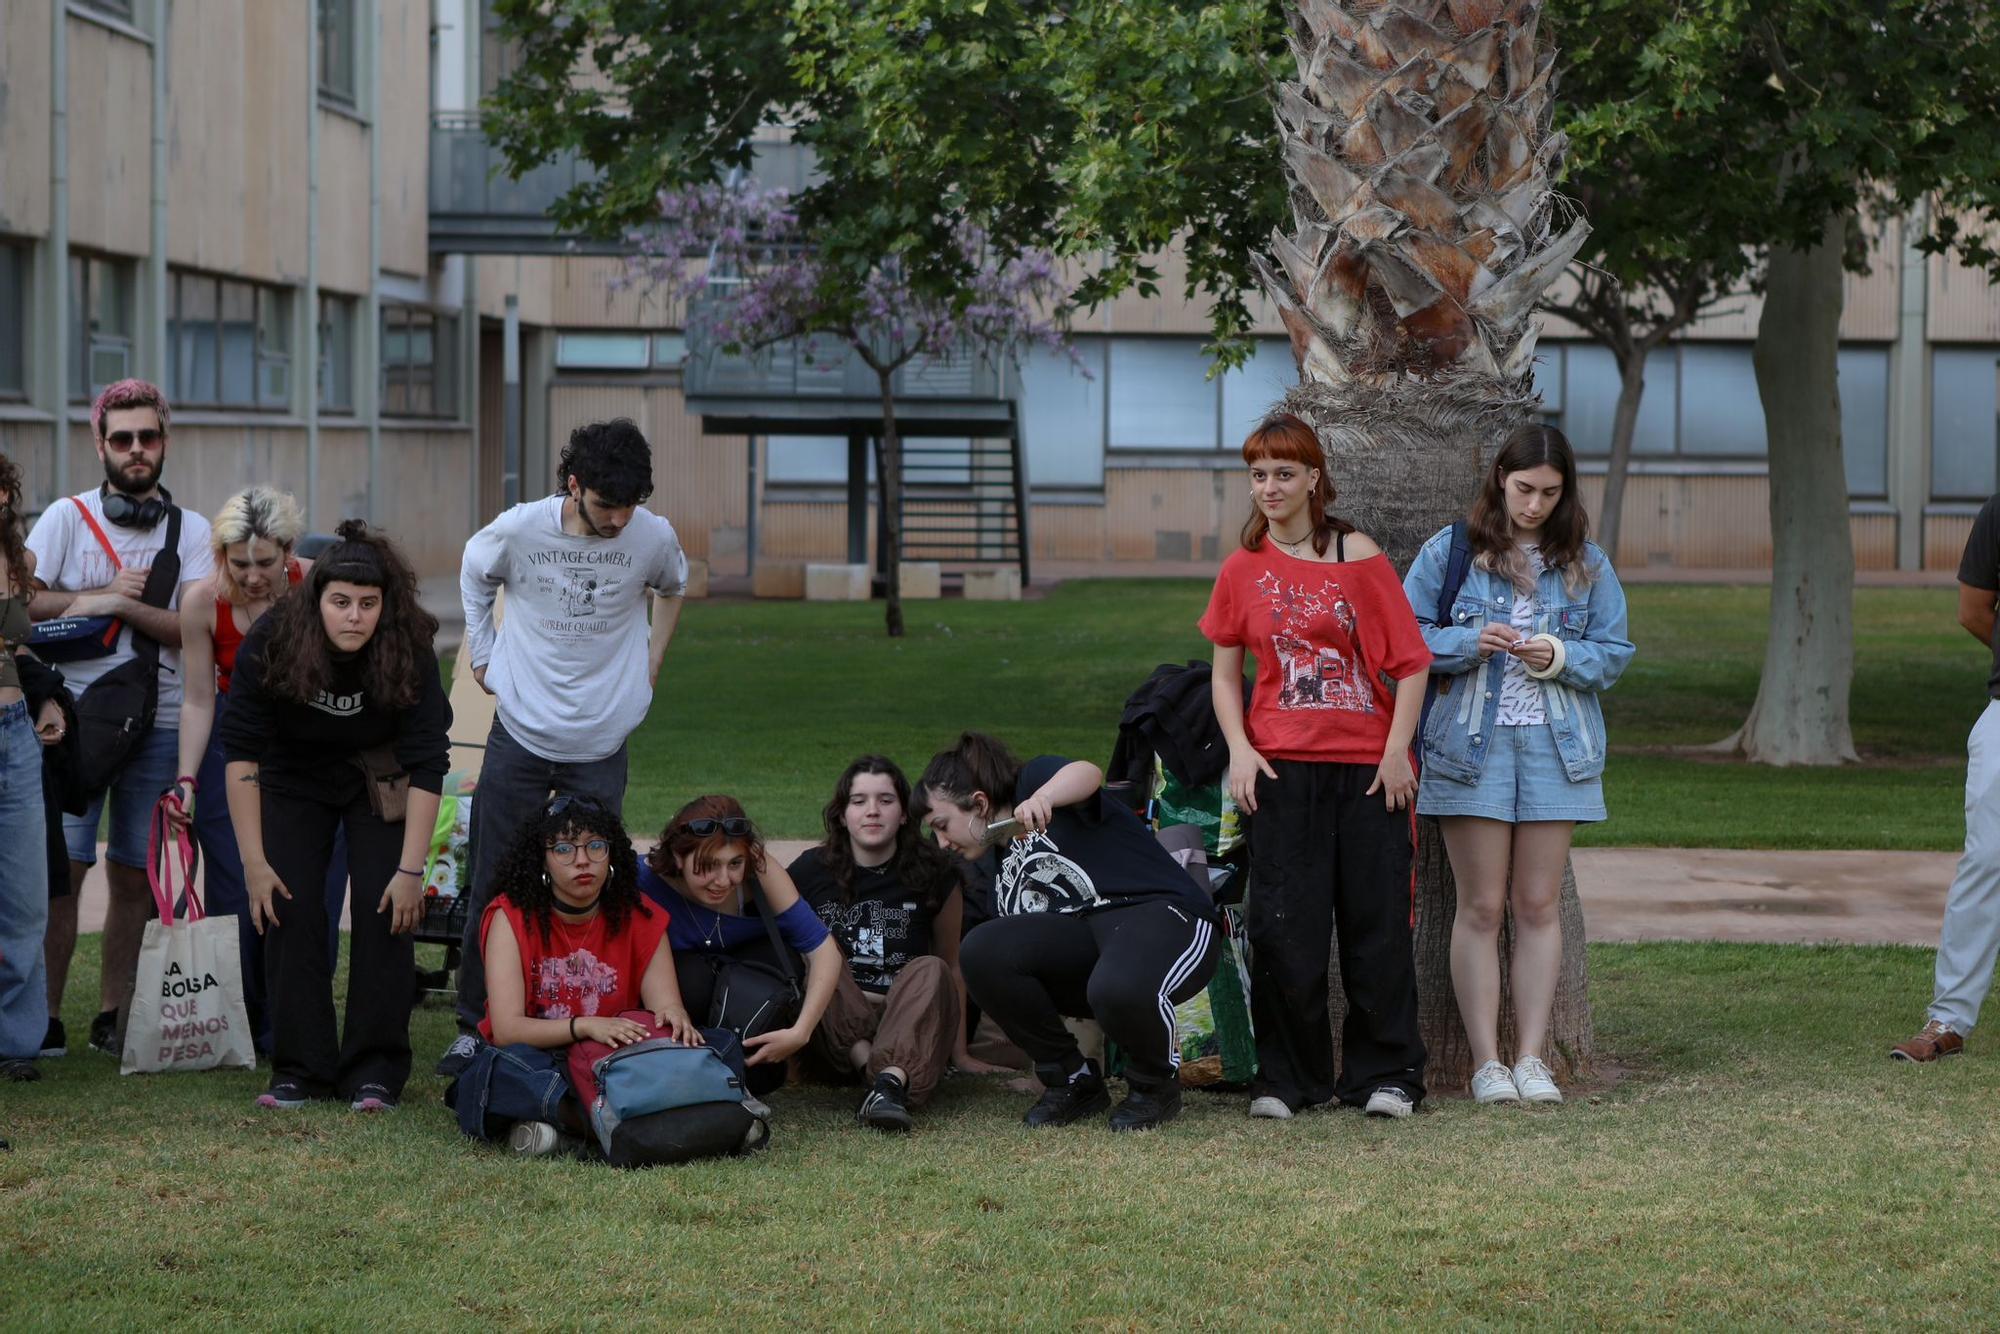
(1455, 569)
(661, 1102)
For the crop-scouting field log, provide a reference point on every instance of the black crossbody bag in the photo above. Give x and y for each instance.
(117, 709)
(752, 997)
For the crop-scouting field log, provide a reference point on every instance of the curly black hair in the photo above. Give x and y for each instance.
(298, 656)
(921, 868)
(611, 458)
(523, 875)
(13, 549)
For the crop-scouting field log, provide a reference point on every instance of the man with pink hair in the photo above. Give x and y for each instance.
(93, 554)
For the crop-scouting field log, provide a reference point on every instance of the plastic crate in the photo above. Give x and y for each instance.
(444, 920)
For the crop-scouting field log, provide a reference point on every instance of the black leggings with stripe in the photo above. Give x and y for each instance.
(1125, 966)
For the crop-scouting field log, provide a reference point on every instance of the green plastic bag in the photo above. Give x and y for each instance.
(1210, 808)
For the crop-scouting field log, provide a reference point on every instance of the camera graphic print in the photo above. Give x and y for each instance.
(1036, 877)
(1314, 642)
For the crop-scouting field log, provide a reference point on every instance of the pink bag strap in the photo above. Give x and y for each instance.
(168, 845)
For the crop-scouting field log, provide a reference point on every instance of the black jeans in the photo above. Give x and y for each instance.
(1324, 856)
(514, 786)
(307, 1047)
(1126, 967)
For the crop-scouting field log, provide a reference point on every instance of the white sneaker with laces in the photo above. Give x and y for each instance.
(1389, 1101)
(1268, 1108)
(534, 1139)
(1493, 1082)
(1534, 1081)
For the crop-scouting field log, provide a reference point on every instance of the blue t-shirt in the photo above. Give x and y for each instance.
(696, 926)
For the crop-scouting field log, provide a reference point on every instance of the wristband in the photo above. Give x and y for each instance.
(189, 780)
(404, 870)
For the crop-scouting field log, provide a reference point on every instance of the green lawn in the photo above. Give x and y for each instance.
(769, 700)
(1758, 1162)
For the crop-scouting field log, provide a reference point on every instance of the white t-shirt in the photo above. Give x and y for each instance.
(567, 666)
(69, 558)
(1520, 693)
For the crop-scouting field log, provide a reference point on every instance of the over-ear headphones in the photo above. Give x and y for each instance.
(126, 512)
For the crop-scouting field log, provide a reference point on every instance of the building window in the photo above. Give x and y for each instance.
(229, 343)
(337, 324)
(117, 9)
(101, 324)
(339, 54)
(419, 354)
(15, 283)
(603, 352)
(1965, 422)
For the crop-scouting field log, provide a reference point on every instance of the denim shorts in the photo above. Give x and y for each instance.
(1524, 781)
(132, 797)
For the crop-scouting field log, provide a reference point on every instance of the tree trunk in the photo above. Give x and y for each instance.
(1404, 465)
(889, 473)
(1624, 425)
(1800, 715)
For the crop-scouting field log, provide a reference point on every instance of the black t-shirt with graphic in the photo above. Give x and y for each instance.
(1094, 854)
(884, 927)
(1979, 567)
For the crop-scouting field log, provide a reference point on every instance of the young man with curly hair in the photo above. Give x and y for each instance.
(582, 569)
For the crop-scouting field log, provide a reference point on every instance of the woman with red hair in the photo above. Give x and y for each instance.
(1321, 765)
(724, 899)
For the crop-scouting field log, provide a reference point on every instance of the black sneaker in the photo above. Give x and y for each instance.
(887, 1106)
(1082, 1094)
(1143, 1109)
(56, 1041)
(459, 1055)
(104, 1033)
(19, 1071)
(284, 1095)
(372, 1098)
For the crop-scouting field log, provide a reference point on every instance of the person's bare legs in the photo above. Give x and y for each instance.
(125, 917)
(59, 941)
(1540, 849)
(1480, 851)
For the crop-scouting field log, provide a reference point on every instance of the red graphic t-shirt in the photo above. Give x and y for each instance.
(1327, 637)
(582, 970)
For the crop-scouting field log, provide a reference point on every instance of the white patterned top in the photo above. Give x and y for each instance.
(1520, 693)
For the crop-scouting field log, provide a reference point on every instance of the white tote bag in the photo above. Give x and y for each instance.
(187, 1002)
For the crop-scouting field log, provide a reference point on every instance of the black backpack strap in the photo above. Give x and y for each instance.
(778, 945)
(161, 580)
(1457, 566)
(1340, 546)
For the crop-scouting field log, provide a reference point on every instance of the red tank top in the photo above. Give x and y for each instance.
(228, 638)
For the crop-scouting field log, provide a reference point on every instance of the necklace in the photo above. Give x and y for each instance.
(579, 910)
(1291, 548)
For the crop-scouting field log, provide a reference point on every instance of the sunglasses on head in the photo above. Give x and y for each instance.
(566, 801)
(124, 439)
(733, 827)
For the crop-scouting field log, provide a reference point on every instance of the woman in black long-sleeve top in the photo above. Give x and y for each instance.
(337, 679)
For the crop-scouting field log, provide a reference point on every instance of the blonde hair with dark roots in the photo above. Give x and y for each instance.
(255, 512)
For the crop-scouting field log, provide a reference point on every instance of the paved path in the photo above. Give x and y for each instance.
(1855, 898)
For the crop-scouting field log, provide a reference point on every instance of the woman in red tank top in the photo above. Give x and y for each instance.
(253, 535)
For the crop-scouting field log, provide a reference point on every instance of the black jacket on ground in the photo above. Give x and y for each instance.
(1173, 716)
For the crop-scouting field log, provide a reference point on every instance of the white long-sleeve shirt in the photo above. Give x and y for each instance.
(567, 665)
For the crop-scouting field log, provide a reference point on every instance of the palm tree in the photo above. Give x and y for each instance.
(1418, 150)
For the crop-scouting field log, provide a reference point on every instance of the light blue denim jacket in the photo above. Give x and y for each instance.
(1590, 622)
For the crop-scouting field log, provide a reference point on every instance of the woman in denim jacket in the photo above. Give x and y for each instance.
(1513, 749)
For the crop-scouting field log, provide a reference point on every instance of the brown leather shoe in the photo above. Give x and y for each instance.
(1933, 1043)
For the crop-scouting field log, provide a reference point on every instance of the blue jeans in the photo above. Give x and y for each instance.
(223, 890)
(132, 798)
(24, 888)
(514, 785)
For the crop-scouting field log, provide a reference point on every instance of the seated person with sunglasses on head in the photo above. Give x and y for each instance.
(574, 968)
(738, 928)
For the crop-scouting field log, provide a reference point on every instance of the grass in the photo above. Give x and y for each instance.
(1759, 1162)
(769, 700)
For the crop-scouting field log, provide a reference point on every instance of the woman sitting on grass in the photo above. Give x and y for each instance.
(894, 903)
(574, 967)
(1094, 919)
(1513, 755)
(710, 873)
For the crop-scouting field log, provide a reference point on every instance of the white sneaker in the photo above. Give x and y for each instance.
(1492, 1082)
(1534, 1081)
(1390, 1101)
(534, 1139)
(1268, 1108)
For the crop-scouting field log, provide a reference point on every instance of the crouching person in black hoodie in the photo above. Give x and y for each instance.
(338, 721)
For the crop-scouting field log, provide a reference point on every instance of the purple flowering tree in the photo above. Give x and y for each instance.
(751, 276)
